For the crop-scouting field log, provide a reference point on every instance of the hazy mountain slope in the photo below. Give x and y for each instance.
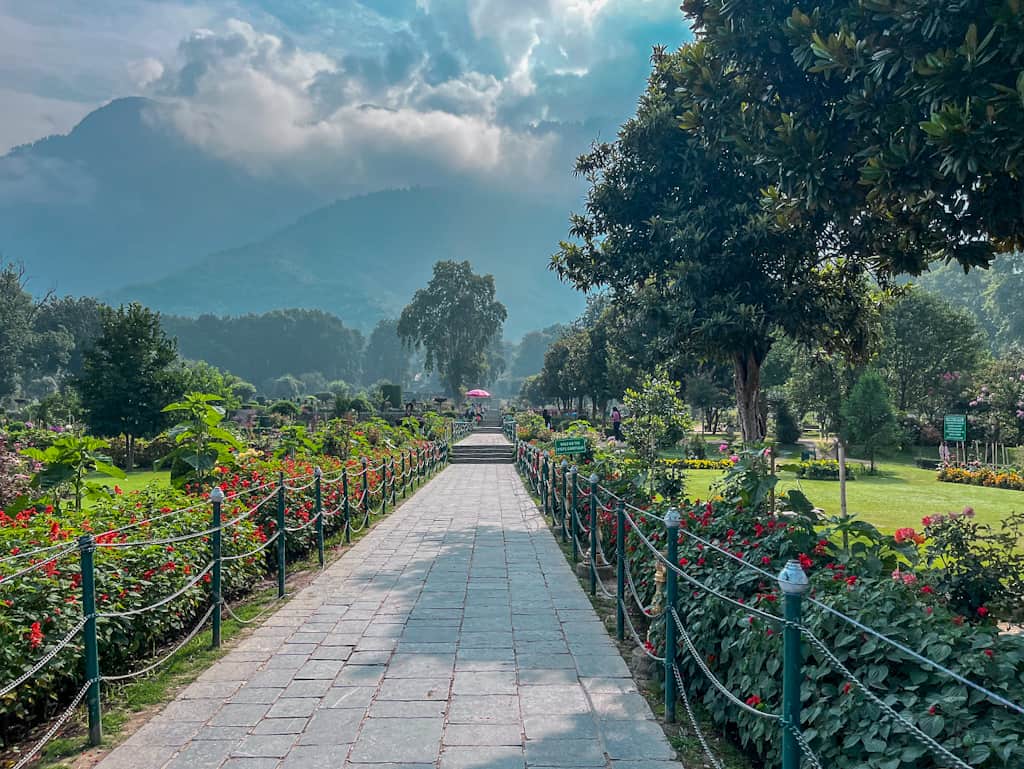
(123, 198)
(362, 258)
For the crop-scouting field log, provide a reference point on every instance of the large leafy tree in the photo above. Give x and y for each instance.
(899, 125)
(529, 357)
(926, 343)
(129, 375)
(385, 358)
(16, 311)
(674, 226)
(454, 320)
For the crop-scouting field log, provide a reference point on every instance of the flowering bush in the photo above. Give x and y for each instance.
(1009, 479)
(881, 580)
(44, 605)
(820, 470)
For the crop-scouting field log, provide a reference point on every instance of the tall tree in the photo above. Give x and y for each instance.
(674, 226)
(899, 124)
(923, 339)
(129, 375)
(868, 418)
(16, 311)
(385, 358)
(529, 358)
(454, 320)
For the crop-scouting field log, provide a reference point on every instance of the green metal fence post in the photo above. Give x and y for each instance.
(573, 510)
(281, 553)
(620, 569)
(366, 494)
(562, 499)
(793, 583)
(384, 486)
(318, 475)
(347, 515)
(405, 479)
(672, 519)
(86, 549)
(394, 483)
(593, 533)
(544, 484)
(216, 541)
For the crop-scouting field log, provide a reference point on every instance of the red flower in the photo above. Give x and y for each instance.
(753, 700)
(765, 560)
(700, 561)
(851, 580)
(683, 561)
(15, 550)
(932, 710)
(117, 490)
(35, 635)
(805, 561)
(846, 687)
(927, 589)
(982, 611)
(989, 653)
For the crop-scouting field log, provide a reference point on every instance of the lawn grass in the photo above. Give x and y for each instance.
(900, 495)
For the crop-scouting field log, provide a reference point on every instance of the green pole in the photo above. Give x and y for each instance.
(593, 533)
(544, 484)
(672, 519)
(366, 494)
(793, 583)
(573, 512)
(318, 475)
(347, 517)
(394, 483)
(405, 480)
(216, 540)
(562, 500)
(620, 570)
(86, 549)
(384, 487)
(280, 536)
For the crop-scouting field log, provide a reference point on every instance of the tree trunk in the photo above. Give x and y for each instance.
(129, 445)
(747, 380)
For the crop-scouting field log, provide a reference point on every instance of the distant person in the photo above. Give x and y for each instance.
(616, 423)
(547, 418)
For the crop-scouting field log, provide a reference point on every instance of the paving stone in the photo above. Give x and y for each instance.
(408, 709)
(414, 689)
(293, 707)
(635, 739)
(553, 700)
(559, 752)
(360, 675)
(239, 715)
(349, 697)
(483, 734)
(199, 754)
(281, 726)
(328, 669)
(494, 708)
(264, 746)
(316, 757)
(138, 757)
(332, 727)
(249, 696)
(412, 740)
(573, 726)
(483, 757)
(250, 763)
(484, 682)
(311, 687)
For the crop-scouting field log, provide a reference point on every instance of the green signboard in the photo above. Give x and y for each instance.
(954, 428)
(570, 445)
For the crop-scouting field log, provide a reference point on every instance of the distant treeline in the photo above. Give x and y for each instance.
(259, 348)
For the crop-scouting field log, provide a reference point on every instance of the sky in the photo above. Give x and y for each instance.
(383, 91)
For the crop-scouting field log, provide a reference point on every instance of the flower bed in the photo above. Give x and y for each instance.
(1009, 479)
(43, 606)
(821, 470)
(885, 582)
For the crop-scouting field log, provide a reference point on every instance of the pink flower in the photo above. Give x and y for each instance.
(723, 447)
(734, 459)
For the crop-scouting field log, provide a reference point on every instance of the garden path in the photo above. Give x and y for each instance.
(454, 635)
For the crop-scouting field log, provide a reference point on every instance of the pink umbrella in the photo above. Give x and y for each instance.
(478, 393)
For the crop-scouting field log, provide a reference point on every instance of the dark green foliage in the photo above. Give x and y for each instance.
(391, 395)
(674, 226)
(787, 429)
(128, 375)
(455, 320)
(385, 357)
(263, 347)
(868, 417)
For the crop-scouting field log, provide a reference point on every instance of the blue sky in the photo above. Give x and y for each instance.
(382, 91)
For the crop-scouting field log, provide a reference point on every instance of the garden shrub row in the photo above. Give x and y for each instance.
(43, 606)
(885, 582)
(821, 470)
(999, 479)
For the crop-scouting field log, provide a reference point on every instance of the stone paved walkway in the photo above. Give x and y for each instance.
(454, 635)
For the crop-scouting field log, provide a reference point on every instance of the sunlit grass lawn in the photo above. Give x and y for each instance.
(135, 481)
(900, 495)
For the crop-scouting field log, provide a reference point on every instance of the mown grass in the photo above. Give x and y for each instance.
(899, 495)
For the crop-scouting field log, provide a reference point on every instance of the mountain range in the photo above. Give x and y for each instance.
(124, 208)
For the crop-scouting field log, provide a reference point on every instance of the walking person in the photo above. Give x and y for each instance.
(547, 418)
(616, 423)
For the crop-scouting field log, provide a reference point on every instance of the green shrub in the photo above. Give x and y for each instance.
(820, 470)
(787, 430)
